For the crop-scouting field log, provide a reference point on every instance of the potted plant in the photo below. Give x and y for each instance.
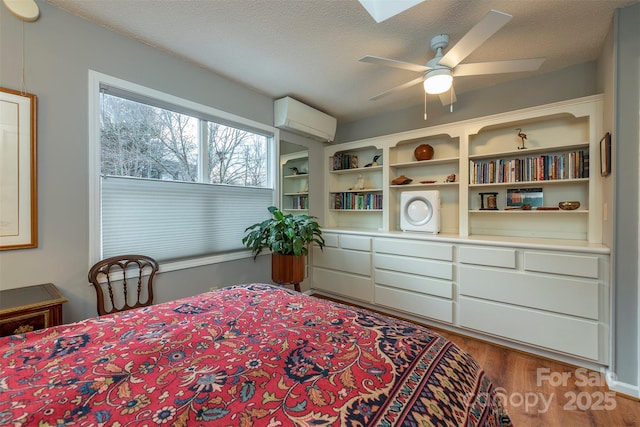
(288, 237)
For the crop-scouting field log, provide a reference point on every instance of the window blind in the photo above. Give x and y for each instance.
(170, 220)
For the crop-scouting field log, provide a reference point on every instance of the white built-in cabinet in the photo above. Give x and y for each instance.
(551, 298)
(294, 174)
(538, 279)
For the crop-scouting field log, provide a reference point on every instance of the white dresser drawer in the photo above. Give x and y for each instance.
(570, 265)
(414, 283)
(552, 331)
(346, 241)
(337, 259)
(419, 304)
(421, 266)
(337, 282)
(480, 255)
(559, 294)
(330, 240)
(412, 248)
(356, 243)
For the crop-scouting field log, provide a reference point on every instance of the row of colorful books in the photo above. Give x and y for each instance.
(357, 201)
(570, 165)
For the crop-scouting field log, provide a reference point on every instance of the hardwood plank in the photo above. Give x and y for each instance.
(540, 392)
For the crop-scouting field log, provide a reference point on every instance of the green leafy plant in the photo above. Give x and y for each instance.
(283, 234)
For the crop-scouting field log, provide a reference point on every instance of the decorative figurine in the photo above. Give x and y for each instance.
(451, 178)
(401, 180)
(522, 136)
(374, 162)
(359, 183)
(297, 171)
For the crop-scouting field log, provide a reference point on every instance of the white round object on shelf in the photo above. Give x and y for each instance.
(420, 211)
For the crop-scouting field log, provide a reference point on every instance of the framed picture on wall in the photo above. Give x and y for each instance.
(18, 184)
(605, 155)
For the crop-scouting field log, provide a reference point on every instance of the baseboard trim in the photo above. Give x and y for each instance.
(627, 390)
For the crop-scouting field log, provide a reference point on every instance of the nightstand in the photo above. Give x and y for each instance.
(30, 308)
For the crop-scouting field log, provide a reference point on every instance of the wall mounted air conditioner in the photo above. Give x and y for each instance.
(294, 116)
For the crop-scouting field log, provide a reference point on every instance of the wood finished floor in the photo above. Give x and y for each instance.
(536, 394)
(582, 399)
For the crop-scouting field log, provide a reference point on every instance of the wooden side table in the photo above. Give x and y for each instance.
(30, 308)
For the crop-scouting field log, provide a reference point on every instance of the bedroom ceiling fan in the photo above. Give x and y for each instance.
(438, 73)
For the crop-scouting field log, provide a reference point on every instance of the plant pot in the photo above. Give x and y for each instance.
(287, 269)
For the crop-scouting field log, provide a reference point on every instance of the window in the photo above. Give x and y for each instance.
(176, 180)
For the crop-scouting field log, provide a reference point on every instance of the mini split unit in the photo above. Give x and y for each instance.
(299, 118)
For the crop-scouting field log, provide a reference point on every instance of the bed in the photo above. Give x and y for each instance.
(246, 355)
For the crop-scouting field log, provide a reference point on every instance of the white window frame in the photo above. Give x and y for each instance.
(97, 79)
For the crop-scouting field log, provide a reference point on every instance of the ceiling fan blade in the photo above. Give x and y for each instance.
(397, 88)
(448, 97)
(495, 67)
(394, 63)
(490, 24)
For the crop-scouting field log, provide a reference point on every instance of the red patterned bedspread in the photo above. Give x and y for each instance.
(245, 355)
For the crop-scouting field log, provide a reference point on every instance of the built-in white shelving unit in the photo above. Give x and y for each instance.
(565, 134)
(294, 172)
(536, 280)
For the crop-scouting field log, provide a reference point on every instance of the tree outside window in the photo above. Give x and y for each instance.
(144, 141)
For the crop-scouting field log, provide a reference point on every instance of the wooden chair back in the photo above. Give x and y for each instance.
(123, 282)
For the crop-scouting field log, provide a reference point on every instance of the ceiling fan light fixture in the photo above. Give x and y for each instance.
(438, 81)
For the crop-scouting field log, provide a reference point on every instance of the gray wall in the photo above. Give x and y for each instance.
(59, 50)
(626, 142)
(573, 82)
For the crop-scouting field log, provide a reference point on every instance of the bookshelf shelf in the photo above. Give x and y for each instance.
(423, 163)
(531, 151)
(364, 190)
(533, 183)
(425, 186)
(531, 212)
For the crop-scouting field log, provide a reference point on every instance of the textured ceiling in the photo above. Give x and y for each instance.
(309, 49)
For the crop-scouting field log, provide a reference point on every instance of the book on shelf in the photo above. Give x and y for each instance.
(300, 202)
(342, 161)
(356, 201)
(569, 165)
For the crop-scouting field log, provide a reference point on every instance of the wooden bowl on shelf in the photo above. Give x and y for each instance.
(423, 152)
(569, 206)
